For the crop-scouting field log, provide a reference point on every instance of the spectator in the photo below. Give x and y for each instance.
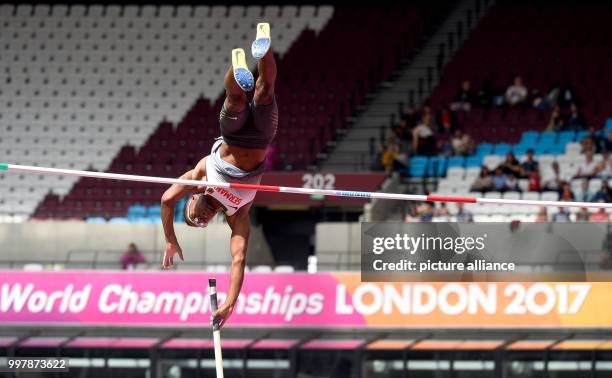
(603, 194)
(534, 182)
(499, 180)
(575, 121)
(555, 122)
(516, 94)
(483, 182)
(607, 141)
(465, 97)
(567, 96)
(553, 179)
(462, 214)
(583, 215)
(442, 213)
(542, 215)
(462, 143)
(588, 168)
(566, 194)
(447, 123)
(390, 155)
(427, 117)
(423, 140)
(412, 216)
(512, 183)
(562, 216)
(511, 165)
(425, 211)
(530, 165)
(377, 158)
(593, 142)
(585, 192)
(131, 257)
(604, 168)
(600, 216)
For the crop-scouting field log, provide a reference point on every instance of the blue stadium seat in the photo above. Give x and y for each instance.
(456, 161)
(153, 211)
(529, 136)
(556, 149)
(484, 149)
(581, 134)
(609, 124)
(119, 220)
(136, 211)
(436, 167)
(501, 149)
(473, 161)
(520, 149)
(548, 137)
(566, 136)
(417, 170)
(95, 220)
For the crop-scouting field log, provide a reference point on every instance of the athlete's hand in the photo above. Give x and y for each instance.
(222, 314)
(171, 250)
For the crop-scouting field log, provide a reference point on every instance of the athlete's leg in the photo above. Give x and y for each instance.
(235, 98)
(266, 66)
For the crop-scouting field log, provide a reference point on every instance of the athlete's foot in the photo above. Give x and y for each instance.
(262, 41)
(242, 75)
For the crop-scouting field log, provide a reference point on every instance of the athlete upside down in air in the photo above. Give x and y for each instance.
(247, 129)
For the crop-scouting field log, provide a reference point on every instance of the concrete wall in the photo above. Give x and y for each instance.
(47, 242)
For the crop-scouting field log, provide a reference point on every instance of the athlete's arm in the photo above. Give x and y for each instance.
(241, 228)
(168, 203)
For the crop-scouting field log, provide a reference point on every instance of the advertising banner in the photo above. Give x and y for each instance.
(177, 299)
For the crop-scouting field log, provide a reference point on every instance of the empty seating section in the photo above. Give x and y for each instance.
(532, 41)
(137, 89)
(79, 82)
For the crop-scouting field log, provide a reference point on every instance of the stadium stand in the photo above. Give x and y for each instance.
(307, 121)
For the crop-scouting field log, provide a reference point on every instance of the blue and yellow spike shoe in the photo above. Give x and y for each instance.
(262, 41)
(242, 75)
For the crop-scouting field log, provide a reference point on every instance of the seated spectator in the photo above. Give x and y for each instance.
(604, 168)
(390, 155)
(516, 94)
(556, 120)
(530, 165)
(566, 194)
(132, 257)
(512, 183)
(553, 179)
(464, 98)
(542, 215)
(412, 215)
(583, 215)
(483, 182)
(534, 182)
(603, 194)
(462, 143)
(425, 211)
(588, 168)
(567, 96)
(585, 193)
(444, 147)
(463, 215)
(423, 140)
(447, 123)
(499, 180)
(442, 212)
(575, 121)
(511, 165)
(600, 216)
(562, 216)
(593, 142)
